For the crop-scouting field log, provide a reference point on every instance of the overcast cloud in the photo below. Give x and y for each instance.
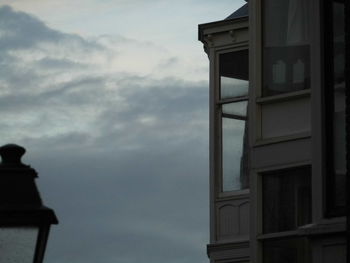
(117, 128)
(119, 153)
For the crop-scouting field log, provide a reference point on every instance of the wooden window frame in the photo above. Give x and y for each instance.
(331, 210)
(218, 102)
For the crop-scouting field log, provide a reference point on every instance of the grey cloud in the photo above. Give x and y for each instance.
(130, 187)
(59, 64)
(19, 30)
(111, 198)
(73, 93)
(32, 53)
(173, 61)
(107, 202)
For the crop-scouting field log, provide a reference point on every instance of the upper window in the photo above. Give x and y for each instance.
(286, 48)
(232, 108)
(335, 106)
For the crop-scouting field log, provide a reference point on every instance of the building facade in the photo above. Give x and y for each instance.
(278, 166)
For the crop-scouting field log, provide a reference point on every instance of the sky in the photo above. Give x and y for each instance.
(110, 99)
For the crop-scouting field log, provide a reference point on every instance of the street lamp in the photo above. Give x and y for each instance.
(24, 220)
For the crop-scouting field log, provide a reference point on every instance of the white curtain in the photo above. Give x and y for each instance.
(298, 22)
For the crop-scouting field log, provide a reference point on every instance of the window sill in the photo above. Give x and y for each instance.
(277, 235)
(293, 137)
(239, 194)
(283, 97)
(324, 227)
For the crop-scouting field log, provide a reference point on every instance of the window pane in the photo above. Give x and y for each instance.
(234, 155)
(286, 199)
(235, 108)
(291, 250)
(339, 103)
(17, 244)
(286, 46)
(233, 68)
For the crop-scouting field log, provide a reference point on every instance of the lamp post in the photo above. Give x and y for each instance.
(24, 220)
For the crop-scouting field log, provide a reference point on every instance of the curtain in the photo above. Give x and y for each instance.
(298, 22)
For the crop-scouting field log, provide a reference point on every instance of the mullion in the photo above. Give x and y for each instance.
(233, 116)
(232, 100)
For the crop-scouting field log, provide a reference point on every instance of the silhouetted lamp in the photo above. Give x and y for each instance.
(24, 221)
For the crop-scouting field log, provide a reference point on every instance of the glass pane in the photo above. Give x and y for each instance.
(291, 250)
(233, 67)
(234, 155)
(17, 244)
(286, 46)
(286, 199)
(339, 103)
(235, 108)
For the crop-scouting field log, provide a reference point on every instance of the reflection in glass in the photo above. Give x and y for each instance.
(235, 108)
(286, 46)
(232, 145)
(286, 199)
(231, 87)
(17, 244)
(339, 134)
(233, 68)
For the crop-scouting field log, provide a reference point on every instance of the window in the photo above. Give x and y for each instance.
(335, 107)
(286, 199)
(291, 250)
(232, 107)
(286, 48)
(286, 206)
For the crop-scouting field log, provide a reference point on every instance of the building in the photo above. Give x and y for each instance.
(278, 128)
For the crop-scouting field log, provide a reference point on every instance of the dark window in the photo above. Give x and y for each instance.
(288, 250)
(335, 107)
(286, 48)
(286, 199)
(232, 105)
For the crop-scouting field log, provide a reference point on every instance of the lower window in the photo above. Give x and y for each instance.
(286, 199)
(286, 250)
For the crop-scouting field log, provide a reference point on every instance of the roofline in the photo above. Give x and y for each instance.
(201, 27)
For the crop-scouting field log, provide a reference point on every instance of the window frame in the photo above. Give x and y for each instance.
(217, 137)
(331, 210)
(289, 234)
(289, 171)
(262, 94)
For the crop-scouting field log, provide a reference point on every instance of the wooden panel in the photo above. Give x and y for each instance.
(232, 219)
(244, 218)
(285, 118)
(276, 154)
(331, 249)
(228, 221)
(334, 253)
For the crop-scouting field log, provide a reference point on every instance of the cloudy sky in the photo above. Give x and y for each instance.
(110, 99)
